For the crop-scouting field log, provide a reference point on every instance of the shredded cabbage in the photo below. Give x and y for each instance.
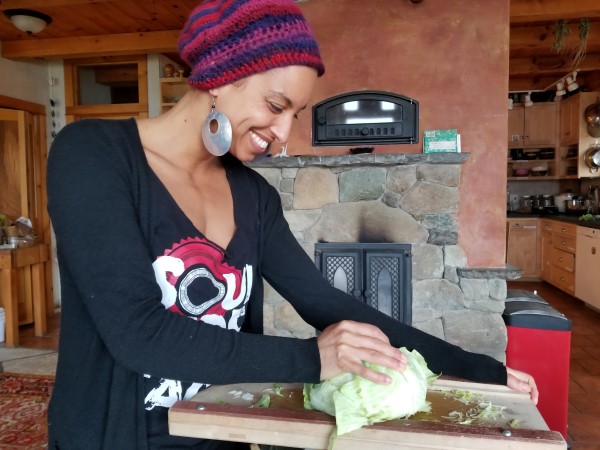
(355, 401)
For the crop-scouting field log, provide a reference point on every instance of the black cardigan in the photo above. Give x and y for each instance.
(100, 203)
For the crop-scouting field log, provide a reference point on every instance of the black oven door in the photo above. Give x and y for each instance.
(366, 117)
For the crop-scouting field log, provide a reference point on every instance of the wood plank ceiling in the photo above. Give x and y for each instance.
(82, 28)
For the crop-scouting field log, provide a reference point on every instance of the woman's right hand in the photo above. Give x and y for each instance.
(345, 345)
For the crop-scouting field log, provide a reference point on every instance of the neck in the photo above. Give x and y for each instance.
(177, 133)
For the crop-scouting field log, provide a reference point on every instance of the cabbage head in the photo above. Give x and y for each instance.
(355, 401)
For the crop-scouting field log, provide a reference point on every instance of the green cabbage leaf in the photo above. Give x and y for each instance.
(356, 402)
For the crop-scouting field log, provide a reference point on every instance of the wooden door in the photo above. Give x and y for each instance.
(521, 249)
(545, 252)
(540, 125)
(14, 200)
(15, 188)
(569, 124)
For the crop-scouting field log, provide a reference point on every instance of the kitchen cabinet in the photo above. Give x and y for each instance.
(22, 293)
(573, 137)
(171, 91)
(377, 274)
(522, 246)
(532, 126)
(562, 256)
(568, 121)
(587, 284)
(558, 251)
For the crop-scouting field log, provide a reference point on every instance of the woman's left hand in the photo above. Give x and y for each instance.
(522, 382)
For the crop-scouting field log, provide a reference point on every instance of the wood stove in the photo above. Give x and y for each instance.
(378, 274)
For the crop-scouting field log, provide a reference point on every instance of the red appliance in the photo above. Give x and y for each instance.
(539, 343)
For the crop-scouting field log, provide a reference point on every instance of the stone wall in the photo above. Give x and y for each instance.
(401, 198)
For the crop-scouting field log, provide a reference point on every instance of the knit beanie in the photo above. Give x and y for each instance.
(226, 40)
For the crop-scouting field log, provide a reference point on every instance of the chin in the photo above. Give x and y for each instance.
(250, 156)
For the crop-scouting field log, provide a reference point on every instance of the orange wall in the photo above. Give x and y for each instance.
(450, 56)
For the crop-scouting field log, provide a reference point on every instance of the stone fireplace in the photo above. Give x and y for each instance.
(393, 198)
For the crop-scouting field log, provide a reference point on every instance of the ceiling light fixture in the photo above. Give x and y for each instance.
(568, 80)
(28, 20)
(571, 83)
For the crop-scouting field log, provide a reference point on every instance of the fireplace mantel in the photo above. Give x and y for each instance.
(371, 159)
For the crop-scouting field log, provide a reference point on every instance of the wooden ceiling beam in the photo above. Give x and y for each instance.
(44, 4)
(538, 40)
(530, 84)
(556, 65)
(89, 46)
(522, 11)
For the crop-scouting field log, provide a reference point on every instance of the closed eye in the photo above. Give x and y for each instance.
(275, 108)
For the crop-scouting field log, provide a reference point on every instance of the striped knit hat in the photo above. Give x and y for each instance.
(226, 40)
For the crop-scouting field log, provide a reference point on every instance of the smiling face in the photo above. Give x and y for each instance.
(263, 107)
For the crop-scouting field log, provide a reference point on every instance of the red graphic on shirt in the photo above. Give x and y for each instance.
(195, 282)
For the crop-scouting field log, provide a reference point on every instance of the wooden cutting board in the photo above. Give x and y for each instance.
(227, 413)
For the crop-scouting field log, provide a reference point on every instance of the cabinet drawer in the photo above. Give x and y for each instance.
(563, 260)
(563, 279)
(567, 244)
(565, 229)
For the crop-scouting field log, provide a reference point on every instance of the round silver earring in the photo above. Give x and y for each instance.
(216, 132)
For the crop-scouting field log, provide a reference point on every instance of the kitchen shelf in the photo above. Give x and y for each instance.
(528, 164)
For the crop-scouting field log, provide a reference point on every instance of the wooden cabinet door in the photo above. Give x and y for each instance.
(521, 249)
(545, 255)
(540, 125)
(17, 187)
(569, 121)
(516, 121)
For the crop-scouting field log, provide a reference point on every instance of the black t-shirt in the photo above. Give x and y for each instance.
(199, 280)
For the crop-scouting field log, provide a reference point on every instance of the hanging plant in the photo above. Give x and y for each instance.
(579, 51)
(561, 32)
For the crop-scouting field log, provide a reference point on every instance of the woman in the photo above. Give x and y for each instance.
(160, 213)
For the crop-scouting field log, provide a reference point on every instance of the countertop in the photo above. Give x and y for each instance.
(560, 217)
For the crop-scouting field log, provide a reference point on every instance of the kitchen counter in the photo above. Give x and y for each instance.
(560, 217)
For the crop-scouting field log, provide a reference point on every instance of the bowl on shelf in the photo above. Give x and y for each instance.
(539, 171)
(530, 155)
(522, 172)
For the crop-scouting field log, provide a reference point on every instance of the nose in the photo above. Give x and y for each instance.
(282, 127)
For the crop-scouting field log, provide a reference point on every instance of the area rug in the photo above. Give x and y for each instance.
(23, 410)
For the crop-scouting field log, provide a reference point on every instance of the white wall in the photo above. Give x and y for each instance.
(24, 80)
